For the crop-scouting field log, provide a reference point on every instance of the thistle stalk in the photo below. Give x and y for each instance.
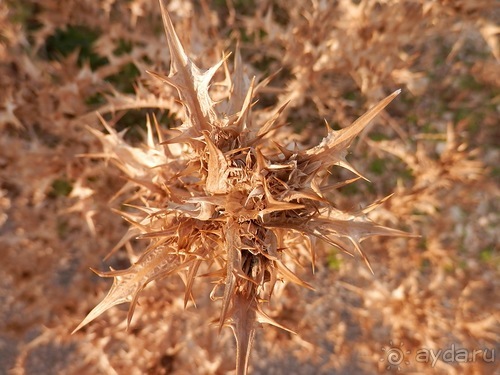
(226, 196)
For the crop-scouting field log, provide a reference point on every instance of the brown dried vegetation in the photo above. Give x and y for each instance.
(230, 190)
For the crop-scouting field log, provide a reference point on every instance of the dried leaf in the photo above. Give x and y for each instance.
(217, 169)
(128, 283)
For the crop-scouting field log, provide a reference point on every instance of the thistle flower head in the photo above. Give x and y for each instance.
(224, 196)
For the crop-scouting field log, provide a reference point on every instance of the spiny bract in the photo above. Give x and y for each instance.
(224, 195)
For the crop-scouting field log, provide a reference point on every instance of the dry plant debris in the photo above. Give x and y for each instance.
(234, 165)
(219, 198)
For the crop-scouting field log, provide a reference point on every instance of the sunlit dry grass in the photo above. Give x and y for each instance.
(65, 176)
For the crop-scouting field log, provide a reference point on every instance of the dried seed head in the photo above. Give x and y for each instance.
(223, 195)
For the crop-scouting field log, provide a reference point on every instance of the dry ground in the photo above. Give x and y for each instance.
(436, 147)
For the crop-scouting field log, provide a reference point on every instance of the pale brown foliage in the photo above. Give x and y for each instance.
(241, 197)
(434, 147)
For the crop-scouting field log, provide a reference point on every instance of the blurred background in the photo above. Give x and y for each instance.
(436, 148)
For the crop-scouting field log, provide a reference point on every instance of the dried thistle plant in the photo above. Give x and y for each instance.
(224, 200)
